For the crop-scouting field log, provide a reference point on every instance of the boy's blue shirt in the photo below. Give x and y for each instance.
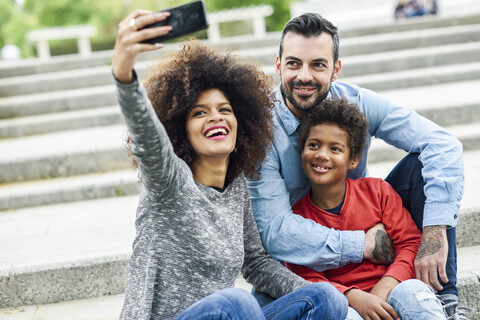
(292, 238)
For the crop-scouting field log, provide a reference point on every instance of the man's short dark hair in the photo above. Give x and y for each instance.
(347, 116)
(311, 25)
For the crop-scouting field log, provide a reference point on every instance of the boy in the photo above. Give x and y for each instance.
(333, 137)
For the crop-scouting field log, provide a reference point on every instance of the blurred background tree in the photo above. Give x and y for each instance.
(17, 18)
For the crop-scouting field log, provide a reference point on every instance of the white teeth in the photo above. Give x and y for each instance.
(215, 131)
(304, 90)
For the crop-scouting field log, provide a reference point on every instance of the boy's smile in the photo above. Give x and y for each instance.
(326, 159)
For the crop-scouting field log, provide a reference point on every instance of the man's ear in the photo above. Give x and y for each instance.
(278, 64)
(354, 162)
(336, 69)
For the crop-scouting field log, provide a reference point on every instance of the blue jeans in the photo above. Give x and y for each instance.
(406, 178)
(315, 301)
(412, 299)
(227, 304)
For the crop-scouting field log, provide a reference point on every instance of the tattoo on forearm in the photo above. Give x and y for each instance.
(383, 251)
(432, 241)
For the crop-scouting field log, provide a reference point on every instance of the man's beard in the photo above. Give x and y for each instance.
(304, 106)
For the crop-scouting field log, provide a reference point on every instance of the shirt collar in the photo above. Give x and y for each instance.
(288, 119)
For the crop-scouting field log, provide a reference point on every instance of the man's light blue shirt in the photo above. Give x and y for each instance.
(292, 238)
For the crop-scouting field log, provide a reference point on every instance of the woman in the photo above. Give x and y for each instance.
(201, 124)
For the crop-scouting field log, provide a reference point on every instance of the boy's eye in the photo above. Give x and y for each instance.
(312, 145)
(336, 149)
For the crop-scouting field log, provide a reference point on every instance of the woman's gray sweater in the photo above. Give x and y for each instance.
(191, 240)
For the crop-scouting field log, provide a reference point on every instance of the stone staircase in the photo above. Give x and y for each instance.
(68, 193)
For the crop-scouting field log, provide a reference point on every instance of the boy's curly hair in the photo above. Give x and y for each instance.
(347, 116)
(175, 83)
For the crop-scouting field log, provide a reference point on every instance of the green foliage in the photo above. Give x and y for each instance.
(6, 13)
(60, 12)
(105, 15)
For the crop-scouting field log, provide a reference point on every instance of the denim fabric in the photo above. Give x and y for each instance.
(262, 298)
(315, 301)
(227, 304)
(291, 238)
(412, 300)
(406, 179)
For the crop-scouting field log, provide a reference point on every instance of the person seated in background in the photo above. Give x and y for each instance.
(332, 137)
(415, 8)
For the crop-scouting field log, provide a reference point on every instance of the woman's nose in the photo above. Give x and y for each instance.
(215, 116)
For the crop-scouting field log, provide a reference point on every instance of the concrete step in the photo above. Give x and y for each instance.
(417, 77)
(426, 22)
(59, 101)
(60, 121)
(433, 102)
(91, 175)
(68, 189)
(101, 96)
(404, 60)
(56, 63)
(362, 63)
(99, 308)
(73, 152)
(101, 149)
(80, 250)
(102, 58)
(67, 251)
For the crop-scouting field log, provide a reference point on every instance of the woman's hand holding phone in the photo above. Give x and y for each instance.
(130, 34)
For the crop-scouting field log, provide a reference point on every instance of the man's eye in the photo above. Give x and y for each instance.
(292, 63)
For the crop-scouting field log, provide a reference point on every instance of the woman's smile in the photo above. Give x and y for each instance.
(212, 126)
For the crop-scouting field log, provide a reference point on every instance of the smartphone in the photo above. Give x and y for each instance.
(184, 19)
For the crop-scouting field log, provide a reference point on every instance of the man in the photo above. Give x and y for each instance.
(431, 176)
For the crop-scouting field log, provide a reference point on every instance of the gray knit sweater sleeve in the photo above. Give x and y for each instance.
(265, 274)
(150, 144)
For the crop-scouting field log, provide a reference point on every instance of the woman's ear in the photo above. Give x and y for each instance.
(354, 162)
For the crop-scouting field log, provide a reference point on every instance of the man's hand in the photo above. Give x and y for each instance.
(378, 246)
(370, 306)
(431, 257)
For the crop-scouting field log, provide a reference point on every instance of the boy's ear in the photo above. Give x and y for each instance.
(354, 162)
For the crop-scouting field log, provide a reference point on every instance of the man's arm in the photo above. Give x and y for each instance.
(432, 257)
(292, 238)
(442, 157)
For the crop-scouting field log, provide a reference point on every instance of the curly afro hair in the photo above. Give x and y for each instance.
(176, 81)
(343, 114)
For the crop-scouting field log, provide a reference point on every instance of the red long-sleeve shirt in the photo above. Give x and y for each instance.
(368, 201)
